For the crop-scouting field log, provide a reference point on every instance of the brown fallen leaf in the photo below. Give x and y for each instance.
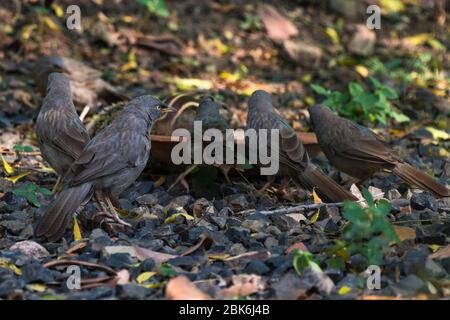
(181, 288)
(297, 246)
(122, 277)
(243, 285)
(159, 257)
(167, 44)
(404, 233)
(278, 27)
(441, 253)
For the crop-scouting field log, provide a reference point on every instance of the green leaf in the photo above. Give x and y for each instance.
(320, 90)
(45, 191)
(303, 260)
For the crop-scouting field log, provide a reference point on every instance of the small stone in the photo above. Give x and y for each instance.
(318, 280)
(148, 199)
(434, 270)
(132, 291)
(30, 249)
(410, 285)
(271, 242)
(255, 225)
(237, 201)
(237, 249)
(34, 272)
(110, 250)
(423, 200)
(305, 54)
(273, 230)
(283, 222)
(414, 261)
(359, 262)
(393, 194)
(184, 261)
(13, 226)
(363, 41)
(148, 265)
(256, 267)
(238, 234)
(120, 261)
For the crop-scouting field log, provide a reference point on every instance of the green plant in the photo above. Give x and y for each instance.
(303, 260)
(359, 104)
(156, 7)
(251, 22)
(368, 232)
(18, 148)
(30, 192)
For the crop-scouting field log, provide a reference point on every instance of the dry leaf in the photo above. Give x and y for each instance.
(297, 246)
(123, 277)
(159, 257)
(76, 230)
(441, 253)
(404, 233)
(243, 285)
(181, 288)
(278, 27)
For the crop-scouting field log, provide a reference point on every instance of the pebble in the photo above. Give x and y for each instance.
(423, 200)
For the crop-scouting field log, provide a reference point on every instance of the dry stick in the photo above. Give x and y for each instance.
(303, 207)
(61, 262)
(84, 113)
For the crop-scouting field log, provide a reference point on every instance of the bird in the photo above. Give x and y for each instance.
(359, 152)
(293, 157)
(208, 113)
(108, 164)
(61, 135)
(86, 82)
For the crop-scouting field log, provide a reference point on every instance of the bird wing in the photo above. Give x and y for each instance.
(107, 154)
(69, 135)
(360, 143)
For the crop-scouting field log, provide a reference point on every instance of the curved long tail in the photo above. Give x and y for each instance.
(54, 222)
(414, 176)
(331, 191)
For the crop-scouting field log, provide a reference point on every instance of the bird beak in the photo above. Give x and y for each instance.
(168, 109)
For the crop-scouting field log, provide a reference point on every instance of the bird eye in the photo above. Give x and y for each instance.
(158, 107)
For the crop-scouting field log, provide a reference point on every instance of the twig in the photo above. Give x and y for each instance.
(63, 262)
(84, 112)
(304, 207)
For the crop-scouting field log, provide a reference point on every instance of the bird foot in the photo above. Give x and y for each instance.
(111, 223)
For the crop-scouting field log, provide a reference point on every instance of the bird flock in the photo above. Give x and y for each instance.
(104, 166)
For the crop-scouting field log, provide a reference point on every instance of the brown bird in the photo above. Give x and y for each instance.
(86, 82)
(108, 165)
(294, 159)
(359, 152)
(60, 133)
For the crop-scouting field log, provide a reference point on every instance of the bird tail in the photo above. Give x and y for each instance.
(313, 178)
(413, 176)
(55, 220)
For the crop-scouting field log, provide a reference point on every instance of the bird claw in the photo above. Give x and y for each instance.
(112, 224)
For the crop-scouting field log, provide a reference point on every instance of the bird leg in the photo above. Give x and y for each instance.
(183, 175)
(108, 217)
(270, 180)
(225, 170)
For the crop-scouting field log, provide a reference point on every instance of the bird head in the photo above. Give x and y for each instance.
(260, 100)
(152, 107)
(207, 107)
